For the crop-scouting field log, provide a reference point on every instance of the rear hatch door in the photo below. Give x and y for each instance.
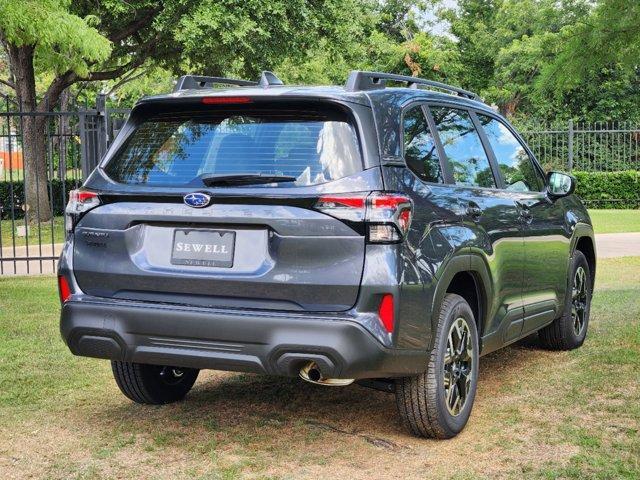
(189, 217)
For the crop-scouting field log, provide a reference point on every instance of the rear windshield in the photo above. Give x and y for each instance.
(179, 149)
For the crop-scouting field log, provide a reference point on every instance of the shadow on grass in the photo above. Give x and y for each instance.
(263, 410)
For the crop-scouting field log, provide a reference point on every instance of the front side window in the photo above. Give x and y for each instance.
(183, 148)
(463, 148)
(420, 152)
(516, 166)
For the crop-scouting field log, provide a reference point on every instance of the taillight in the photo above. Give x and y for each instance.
(80, 201)
(388, 215)
(386, 312)
(344, 207)
(63, 288)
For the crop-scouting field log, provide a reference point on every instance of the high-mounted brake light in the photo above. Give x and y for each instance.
(225, 100)
(388, 215)
(63, 289)
(80, 202)
(386, 312)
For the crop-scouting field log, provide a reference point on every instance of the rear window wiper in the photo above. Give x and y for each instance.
(212, 180)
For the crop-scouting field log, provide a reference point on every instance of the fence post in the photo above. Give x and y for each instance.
(85, 144)
(101, 125)
(570, 145)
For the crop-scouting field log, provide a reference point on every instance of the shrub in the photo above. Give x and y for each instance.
(597, 190)
(609, 189)
(57, 193)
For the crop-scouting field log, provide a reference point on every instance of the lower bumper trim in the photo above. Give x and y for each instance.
(228, 340)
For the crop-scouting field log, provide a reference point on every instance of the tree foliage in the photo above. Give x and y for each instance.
(551, 59)
(61, 40)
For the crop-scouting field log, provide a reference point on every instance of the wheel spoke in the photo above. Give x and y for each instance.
(463, 342)
(457, 406)
(448, 357)
(459, 334)
(453, 396)
(447, 380)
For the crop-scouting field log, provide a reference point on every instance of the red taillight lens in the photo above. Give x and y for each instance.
(80, 201)
(345, 207)
(63, 289)
(386, 312)
(334, 201)
(225, 100)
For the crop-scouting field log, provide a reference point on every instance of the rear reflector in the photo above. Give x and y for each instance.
(225, 100)
(386, 313)
(63, 289)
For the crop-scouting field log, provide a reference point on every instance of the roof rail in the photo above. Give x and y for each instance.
(359, 80)
(191, 82)
(268, 78)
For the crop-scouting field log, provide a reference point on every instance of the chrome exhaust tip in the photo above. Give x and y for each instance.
(312, 374)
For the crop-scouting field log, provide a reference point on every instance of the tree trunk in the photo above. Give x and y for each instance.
(35, 169)
(508, 109)
(34, 141)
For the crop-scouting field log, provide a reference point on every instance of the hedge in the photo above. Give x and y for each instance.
(597, 190)
(59, 198)
(609, 189)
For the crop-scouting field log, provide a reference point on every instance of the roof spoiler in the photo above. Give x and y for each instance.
(359, 80)
(196, 82)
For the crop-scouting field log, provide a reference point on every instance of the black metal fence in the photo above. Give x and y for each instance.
(75, 142)
(591, 147)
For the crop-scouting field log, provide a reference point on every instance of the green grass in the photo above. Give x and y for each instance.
(37, 234)
(538, 414)
(615, 221)
(604, 221)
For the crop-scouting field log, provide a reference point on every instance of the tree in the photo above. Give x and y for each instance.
(608, 36)
(473, 23)
(43, 33)
(550, 59)
(87, 41)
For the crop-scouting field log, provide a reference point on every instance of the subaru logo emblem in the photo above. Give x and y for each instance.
(197, 199)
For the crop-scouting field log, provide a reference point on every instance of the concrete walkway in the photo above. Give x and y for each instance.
(19, 265)
(608, 245)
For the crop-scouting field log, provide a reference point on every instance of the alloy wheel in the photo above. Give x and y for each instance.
(579, 299)
(458, 363)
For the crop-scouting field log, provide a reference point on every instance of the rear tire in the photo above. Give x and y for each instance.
(153, 384)
(427, 403)
(569, 331)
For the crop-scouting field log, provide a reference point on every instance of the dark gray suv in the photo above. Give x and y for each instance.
(389, 236)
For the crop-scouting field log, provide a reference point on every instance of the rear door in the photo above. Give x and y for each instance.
(168, 233)
(490, 214)
(546, 240)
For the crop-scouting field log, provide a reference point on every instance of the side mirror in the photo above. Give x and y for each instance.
(560, 184)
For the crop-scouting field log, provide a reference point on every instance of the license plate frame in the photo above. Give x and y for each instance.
(217, 252)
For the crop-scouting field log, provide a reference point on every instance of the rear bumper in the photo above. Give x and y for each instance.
(272, 343)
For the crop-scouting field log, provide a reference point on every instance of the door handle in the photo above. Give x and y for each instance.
(474, 211)
(525, 213)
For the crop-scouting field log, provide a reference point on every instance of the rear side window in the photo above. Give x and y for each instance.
(420, 152)
(179, 149)
(463, 148)
(514, 162)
